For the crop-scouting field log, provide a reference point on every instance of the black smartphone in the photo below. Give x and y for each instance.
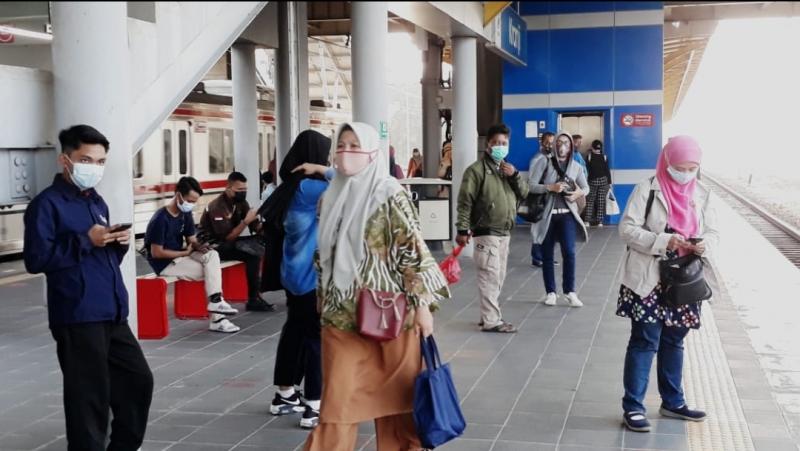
(695, 240)
(120, 227)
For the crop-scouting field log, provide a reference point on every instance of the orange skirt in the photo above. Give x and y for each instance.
(364, 379)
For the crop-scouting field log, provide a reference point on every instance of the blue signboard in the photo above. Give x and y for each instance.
(508, 33)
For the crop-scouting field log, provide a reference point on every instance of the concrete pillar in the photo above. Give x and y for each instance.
(287, 89)
(465, 111)
(91, 77)
(303, 103)
(370, 98)
(431, 125)
(245, 117)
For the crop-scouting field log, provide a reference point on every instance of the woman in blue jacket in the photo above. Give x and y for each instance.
(291, 211)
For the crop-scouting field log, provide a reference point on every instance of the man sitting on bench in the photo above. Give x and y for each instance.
(164, 243)
(223, 221)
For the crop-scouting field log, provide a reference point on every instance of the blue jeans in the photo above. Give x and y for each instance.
(562, 229)
(536, 252)
(647, 340)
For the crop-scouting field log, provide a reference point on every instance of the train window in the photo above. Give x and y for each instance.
(138, 164)
(167, 152)
(182, 157)
(220, 150)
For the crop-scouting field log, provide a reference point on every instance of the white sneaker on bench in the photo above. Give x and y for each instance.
(223, 326)
(222, 307)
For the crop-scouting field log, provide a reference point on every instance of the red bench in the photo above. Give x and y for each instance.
(190, 298)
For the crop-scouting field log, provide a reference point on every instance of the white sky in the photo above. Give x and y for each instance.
(744, 104)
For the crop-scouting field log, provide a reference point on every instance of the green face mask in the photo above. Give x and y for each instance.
(499, 152)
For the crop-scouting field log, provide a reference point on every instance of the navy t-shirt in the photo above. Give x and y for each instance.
(168, 231)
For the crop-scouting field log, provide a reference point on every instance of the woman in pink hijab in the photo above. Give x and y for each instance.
(668, 215)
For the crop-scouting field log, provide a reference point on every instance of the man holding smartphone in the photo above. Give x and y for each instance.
(68, 238)
(167, 231)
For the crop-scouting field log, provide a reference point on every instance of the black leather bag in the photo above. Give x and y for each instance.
(683, 280)
(531, 208)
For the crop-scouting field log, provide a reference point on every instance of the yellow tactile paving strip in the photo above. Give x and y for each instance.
(709, 385)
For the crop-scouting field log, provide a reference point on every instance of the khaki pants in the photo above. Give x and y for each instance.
(198, 266)
(393, 433)
(491, 259)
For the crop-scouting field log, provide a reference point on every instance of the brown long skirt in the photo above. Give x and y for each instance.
(362, 380)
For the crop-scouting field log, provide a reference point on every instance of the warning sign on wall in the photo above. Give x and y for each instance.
(637, 119)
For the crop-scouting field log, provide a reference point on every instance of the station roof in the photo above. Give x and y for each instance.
(688, 26)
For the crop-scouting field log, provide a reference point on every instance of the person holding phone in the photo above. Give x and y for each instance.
(564, 181)
(667, 216)
(68, 238)
(167, 254)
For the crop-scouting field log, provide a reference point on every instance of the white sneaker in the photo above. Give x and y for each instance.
(600, 225)
(573, 300)
(223, 326)
(222, 307)
(550, 299)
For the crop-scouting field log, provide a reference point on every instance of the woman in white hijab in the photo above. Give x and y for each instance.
(369, 237)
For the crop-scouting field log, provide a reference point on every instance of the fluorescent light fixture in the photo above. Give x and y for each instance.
(26, 33)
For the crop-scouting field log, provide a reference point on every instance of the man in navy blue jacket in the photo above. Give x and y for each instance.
(68, 237)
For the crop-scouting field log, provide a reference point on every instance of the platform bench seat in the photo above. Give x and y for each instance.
(190, 298)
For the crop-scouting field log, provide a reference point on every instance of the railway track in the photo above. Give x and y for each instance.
(782, 235)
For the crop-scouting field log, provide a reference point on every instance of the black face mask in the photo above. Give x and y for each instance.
(239, 196)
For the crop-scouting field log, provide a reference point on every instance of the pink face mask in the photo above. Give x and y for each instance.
(352, 162)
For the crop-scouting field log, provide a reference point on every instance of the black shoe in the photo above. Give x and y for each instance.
(310, 418)
(683, 413)
(536, 263)
(259, 305)
(636, 421)
(284, 406)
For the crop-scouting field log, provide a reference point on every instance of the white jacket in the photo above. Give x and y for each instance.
(647, 242)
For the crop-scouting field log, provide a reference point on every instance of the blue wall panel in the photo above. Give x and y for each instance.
(637, 64)
(535, 77)
(580, 7)
(534, 8)
(637, 6)
(580, 60)
(522, 149)
(636, 147)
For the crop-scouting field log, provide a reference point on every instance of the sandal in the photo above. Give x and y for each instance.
(503, 328)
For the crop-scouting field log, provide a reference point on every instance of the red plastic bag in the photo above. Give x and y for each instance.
(450, 266)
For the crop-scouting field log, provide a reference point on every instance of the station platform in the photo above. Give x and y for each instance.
(557, 384)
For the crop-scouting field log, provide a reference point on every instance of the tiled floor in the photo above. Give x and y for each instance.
(554, 385)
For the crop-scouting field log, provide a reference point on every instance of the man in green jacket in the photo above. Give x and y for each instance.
(487, 210)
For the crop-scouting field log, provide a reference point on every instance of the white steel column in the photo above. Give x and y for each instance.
(370, 99)
(92, 86)
(431, 124)
(245, 117)
(287, 90)
(465, 111)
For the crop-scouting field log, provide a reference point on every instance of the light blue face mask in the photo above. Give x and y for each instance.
(184, 206)
(681, 177)
(499, 152)
(86, 175)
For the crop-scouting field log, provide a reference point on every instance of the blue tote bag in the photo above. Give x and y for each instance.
(437, 413)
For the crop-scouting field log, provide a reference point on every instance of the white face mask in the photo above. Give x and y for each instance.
(681, 177)
(86, 175)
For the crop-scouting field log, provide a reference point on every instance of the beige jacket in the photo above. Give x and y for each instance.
(647, 242)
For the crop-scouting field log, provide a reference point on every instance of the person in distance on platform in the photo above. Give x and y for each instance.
(267, 186)
(445, 171)
(415, 164)
(291, 212)
(600, 183)
(545, 151)
(370, 237)
(69, 238)
(681, 209)
(222, 224)
(164, 243)
(487, 211)
(561, 221)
